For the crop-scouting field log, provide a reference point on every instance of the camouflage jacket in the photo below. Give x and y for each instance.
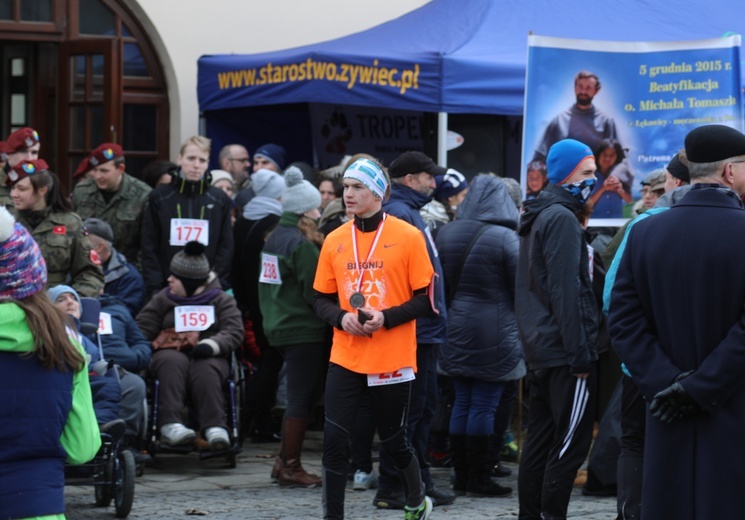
(123, 212)
(67, 252)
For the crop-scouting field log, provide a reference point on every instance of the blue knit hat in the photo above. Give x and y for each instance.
(273, 152)
(452, 183)
(563, 159)
(58, 290)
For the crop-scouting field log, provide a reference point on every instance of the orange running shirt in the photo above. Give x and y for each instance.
(399, 266)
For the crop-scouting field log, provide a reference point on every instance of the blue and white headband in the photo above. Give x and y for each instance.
(370, 175)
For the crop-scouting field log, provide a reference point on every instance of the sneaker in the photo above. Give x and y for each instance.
(420, 513)
(176, 434)
(364, 481)
(501, 471)
(218, 438)
(389, 499)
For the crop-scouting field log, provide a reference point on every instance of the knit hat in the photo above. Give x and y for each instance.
(370, 174)
(220, 175)
(712, 143)
(55, 292)
(273, 152)
(23, 271)
(100, 228)
(414, 162)
(267, 183)
(678, 169)
(299, 195)
(452, 183)
(563, 159)
(25, 169)
(190, 265)
(22, 139)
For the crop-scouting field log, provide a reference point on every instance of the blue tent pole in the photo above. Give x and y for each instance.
(442, 139)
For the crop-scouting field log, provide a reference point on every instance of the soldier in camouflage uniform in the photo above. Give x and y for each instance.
(46, 212)
(112, 195)
(23, 144)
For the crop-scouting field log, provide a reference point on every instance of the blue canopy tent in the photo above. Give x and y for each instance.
(449, 56)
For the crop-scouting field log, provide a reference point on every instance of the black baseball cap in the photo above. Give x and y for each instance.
(414, 162)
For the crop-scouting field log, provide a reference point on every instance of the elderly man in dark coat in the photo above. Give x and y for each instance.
(677, 319)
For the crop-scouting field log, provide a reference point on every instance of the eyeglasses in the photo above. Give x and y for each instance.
(245, 159)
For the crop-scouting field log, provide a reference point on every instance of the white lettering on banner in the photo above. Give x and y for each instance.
(189, 318)
(104, 324)
(270, 270)
(185, 230)
(391, 378)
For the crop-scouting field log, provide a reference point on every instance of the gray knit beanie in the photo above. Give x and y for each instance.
(267, 183)
(191, 266)
(299, 195)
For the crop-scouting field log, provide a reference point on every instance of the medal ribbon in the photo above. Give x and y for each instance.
(369, 255)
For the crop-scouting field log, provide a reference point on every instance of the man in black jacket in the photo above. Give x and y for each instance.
(187, 209)
(557, 320)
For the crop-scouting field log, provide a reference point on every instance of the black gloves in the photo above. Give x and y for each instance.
(201, 351)
(674, 402)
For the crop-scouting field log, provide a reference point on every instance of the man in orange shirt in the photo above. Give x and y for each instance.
(372, 282)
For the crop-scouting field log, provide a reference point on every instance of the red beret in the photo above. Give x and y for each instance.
(103, 154)
(25, 169)
(21, 139)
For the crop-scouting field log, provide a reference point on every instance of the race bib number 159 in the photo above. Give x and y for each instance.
(193, 317)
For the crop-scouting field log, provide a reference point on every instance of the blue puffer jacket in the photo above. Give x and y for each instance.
(126, 346)
(405, 204)
(483, 341)
(105, 389)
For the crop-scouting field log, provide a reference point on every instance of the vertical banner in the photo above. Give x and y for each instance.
(632, 102)
(340, 130)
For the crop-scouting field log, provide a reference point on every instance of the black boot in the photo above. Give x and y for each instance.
(460, 464)
(480, 483)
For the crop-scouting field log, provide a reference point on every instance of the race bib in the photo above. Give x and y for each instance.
(185, 230)
(270, 270)
(391, 378)
(194, 317)
(104, 324)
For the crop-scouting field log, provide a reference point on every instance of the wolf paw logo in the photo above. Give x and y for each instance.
(337, 132)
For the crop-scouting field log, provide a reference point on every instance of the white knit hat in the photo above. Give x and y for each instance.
(299, 195)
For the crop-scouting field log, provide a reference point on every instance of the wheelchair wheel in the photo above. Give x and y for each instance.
(103, 479)
(124, 484)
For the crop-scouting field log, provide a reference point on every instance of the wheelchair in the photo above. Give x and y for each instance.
(234, 393)
(112, 472)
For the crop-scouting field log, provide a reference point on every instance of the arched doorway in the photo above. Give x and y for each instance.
(82, 72)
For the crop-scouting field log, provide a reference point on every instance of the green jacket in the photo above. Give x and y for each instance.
(67, 252)
(287, 306)
(123, 212)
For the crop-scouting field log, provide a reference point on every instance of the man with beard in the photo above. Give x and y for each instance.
(582, 121)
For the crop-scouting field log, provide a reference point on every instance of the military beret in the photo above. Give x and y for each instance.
(25, 169)
(103, 154)
(21, 139)
(712, 143)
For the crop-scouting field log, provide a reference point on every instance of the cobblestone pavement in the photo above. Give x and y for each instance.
(179, 486)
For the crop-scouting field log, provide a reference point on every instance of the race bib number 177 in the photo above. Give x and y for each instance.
(185, 230)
